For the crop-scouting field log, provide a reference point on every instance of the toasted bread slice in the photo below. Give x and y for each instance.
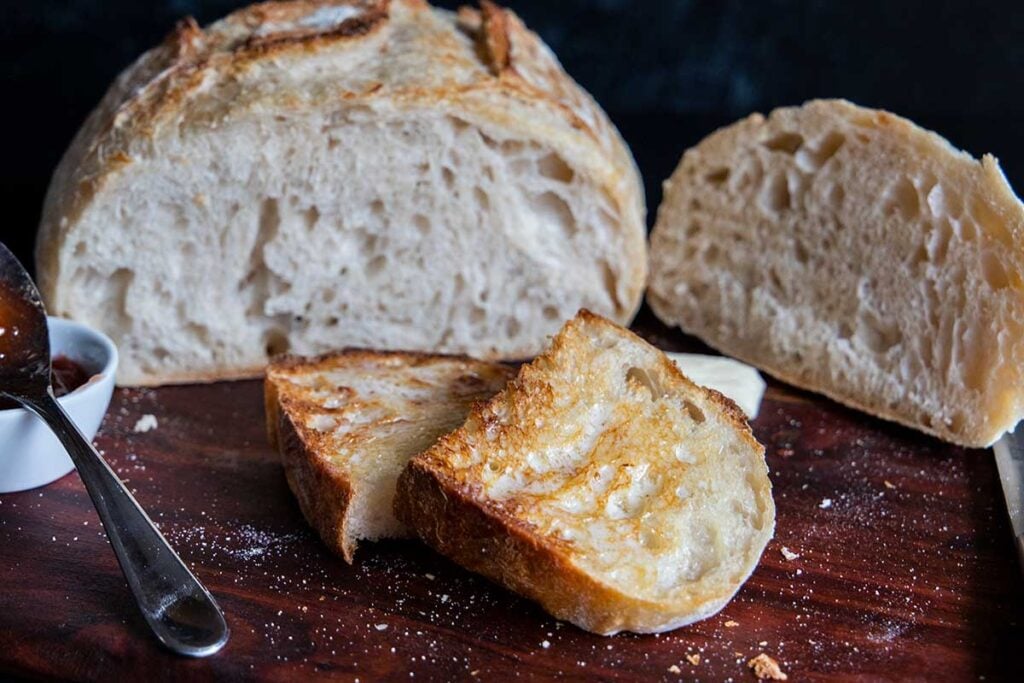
(346, 424)
(602, 483)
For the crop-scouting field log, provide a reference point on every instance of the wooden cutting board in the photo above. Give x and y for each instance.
(904, 567)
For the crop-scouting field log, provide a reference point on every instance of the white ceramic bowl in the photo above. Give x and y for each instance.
(30, 455)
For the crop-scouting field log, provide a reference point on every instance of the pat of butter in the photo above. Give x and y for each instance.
(738, 381)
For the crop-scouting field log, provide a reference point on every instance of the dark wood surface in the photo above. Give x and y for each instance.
(907, 573)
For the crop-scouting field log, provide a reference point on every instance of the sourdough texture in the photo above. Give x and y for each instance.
(601, 483)
(305, 176)
(347, 423)
(847, 251)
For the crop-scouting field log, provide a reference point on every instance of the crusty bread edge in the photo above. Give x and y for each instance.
(323, 493)
(448, 519)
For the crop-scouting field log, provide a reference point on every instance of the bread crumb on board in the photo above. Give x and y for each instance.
(731, 624)
(145, 424)
(789, 554)
(825, 504)
(693, 659)
(675, 669)
(765, 667)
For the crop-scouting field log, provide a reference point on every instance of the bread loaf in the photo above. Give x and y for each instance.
(602, 483)
(303, 176)
(850, 252)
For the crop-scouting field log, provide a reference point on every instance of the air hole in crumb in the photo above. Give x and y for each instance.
(836, 195)
(477, 315)
(901, 198)
(311, 216)
(877, 334)
(801, 252)
(550, 313)
(844, 330)
(482, 200)
(695, 413)
(642, 378)
(376, 264)
(332, 321)
(276, 343)
(554, 167)
(448, 176)
(785, 142)
(718, 176)
(810, 161)
(920, 256)
(995, 273)
(422, 223)
(80, 249)
(775, 194)
(513, 327)
(554, 210)
(377, 207)
(829, 145)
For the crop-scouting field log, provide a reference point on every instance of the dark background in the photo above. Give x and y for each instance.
(667, 71)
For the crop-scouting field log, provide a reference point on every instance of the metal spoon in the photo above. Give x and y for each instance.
(179, 609)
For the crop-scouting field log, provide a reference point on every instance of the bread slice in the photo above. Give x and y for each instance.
(346, 424)
(306, 176)
(603, 484)
(847, 251)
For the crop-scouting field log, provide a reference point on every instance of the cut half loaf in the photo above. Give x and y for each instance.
(601, 483)
(847, 251)
(347, 423)
(306, 176)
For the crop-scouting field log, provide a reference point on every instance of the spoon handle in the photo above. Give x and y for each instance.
(179, 609)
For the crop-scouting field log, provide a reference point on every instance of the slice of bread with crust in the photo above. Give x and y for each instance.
(852, 253)
(346, 424)
(602, 483)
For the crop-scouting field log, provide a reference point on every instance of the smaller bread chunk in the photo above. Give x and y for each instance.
(601, 483)
(847, 251)
(346, 424)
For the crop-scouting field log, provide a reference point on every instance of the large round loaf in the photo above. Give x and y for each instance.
(310, 175)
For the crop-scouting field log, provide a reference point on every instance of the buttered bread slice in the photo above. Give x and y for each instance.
(602, 483)
(347, 423)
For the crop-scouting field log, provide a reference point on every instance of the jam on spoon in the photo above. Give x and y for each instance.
(66, 375)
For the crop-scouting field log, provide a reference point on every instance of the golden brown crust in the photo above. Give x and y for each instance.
(323, 492)
(494, 36)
